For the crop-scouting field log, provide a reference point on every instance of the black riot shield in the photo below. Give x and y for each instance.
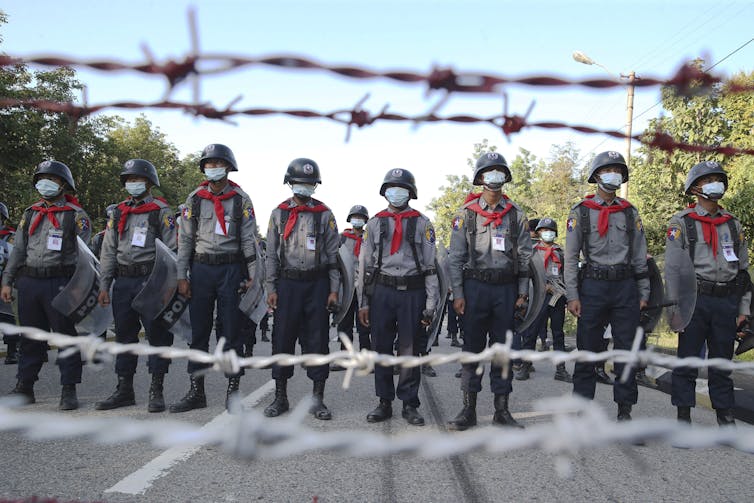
(78, 300)
(680, 288)
(159, 300)
(443, 277)
(253, 302)
(745, 335)
(537, 293)
(5, 249)
(346, 289)
(651, 315)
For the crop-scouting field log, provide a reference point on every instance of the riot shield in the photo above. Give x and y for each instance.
(253, 302)
(443, 277)
(680, 285)
(78, 299)
(5, 249)
(346, 290)
(159, 300)
(651, 315)
(537, 293)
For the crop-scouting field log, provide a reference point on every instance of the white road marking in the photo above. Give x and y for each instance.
(142, 479)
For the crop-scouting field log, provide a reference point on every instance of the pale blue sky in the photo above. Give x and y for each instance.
(510, 38)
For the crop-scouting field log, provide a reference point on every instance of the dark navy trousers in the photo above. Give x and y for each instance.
(603, 302)
(9, 338)
(713, 322)
(35, 310)
(538, 329)
(346, 326)
(397, 312)
(127, 325)
(302, 315)
(212, 284)
(488, 316)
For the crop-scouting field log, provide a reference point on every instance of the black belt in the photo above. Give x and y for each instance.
(134, 270)
(616, 272)
(304, 275)
(493, 276)
(716, 289)
(219, 259)
(65, 271)
(402, 282)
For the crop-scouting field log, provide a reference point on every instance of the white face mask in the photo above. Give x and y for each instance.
(303, 189)
(47, 188)
(358, 223)
(548, 236)
(397, 196)
(214, 174)
(494, 180)
(610, 182)
(713, 191)
(136, 188)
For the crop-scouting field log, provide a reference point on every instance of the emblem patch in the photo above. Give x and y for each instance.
(248, 213)
(398, 172)
(613, 155)
(83, 223)
(493, 155)
(457, 223)
(130, 164)
(639, 225)
(430, 234)
(169, 221)
(308, 169)
(186, 212)
(571, 224)
(674, 233)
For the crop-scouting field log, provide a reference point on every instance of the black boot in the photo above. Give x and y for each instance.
(684, 415)
(725, 417)
(502, 415)
(122, 397)
(68, 399)
(383, 411)
(522, 373)
(454, 342)
(232, 393)
(195, 397)
(561, 374)
(428, 371)
(25, 391)
(11, 355)
(280, 404)
(459, 373)
(318, 408)
(264, 336)
(412, 416)
(467, 417)
(156, 400)
(624, 412)
(643, 380)
(599, 370)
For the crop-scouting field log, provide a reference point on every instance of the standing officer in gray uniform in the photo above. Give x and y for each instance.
(607, 230)
(128, 254)
(398, 290)
(42, 262)
(490, 248)
(714, 239)
(302, 281)
(216, 243)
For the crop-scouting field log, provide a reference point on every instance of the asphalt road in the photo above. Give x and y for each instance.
(87, 471)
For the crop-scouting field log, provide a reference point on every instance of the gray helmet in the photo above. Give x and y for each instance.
(218, 151)
(56, 168)
(140, 167)
(4, 215)
(399, 178)
(487, 162)
(703, 169)
(609, 158)
(302, 170)
(109, 209)
(548, 223)
(357, 210)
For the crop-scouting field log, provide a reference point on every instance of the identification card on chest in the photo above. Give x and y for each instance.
(139, 237)
(554, 271)
(311, 242)
(729, 253)
(55, 240)
(219, 228)
(498, 242)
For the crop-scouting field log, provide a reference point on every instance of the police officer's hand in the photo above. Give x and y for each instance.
(332, 301)
(245, 285)
(103, 298)
(459, 306)
(6, 294)
(427, 316)
(574, 307)
(739, 321)
(272, 300)
(184, 288)
(643, 304)
(364, 316)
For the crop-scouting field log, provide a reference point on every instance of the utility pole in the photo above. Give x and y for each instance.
(629, 124)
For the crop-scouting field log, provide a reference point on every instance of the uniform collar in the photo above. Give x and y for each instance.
(597, 199)
(133, 202)
(704, 213)
(485, 205)
(404, 210)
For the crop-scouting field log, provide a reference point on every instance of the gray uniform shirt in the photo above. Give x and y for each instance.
(36, 250)
(553, 270)
(298, 251)
(136, 244)
(486, 257)
(610, 249)
(706, 265)
(350, 245)
(202, 234)
(401, 263)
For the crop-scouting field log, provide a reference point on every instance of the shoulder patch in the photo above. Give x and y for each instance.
(674, 233)
(429, 233)
(83, 223)
(458, 223)
(169, 221)
(248, 212)
(331, 223)
(639, 225)
(571, 224)
(186, 212)
(366, 233)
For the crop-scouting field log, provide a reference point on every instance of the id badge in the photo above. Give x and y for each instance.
(554, 270)
(311, 242)
(140, 237)
(498, 243)
(55, 241)
(729, 253)
(219, 229)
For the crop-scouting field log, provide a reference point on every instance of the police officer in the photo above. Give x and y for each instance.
(353, 239)
(398, 290)
(216, 243)
(6, 240)
(41, 264)
(302, 281)
(128, 254)
(715, 241)
(607, 230)
(96, 245)
(490, 249)
(550, 255)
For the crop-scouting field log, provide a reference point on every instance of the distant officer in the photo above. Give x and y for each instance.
(302, 281)
(490, 249)
(6, 239)
(714, 239)
(96, 244)
(216, 245)
(398, 290)
(128, 255)
(607, 230)
(42, 262)
(353, 239)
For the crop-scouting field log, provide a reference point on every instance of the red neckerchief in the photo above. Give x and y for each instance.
(218, 201)
(603, 220)
(349, 233)
(491, 216)
(126, 209)
(549, 254)
(295, 210)
(395, 244)
(709, 227)
(49, 212)
(8, 230)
